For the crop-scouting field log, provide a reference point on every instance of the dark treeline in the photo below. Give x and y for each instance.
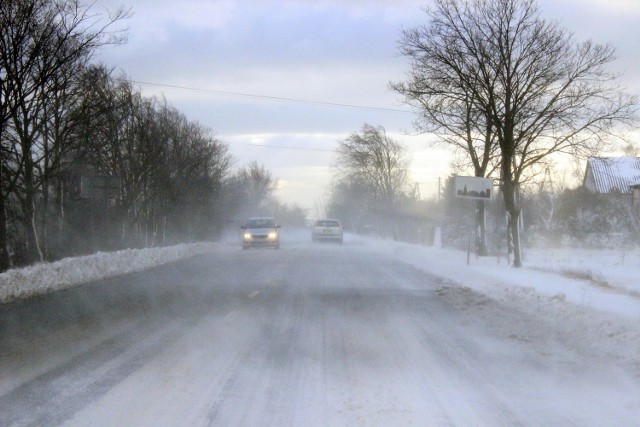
(86, 162)
(45, 47)
(164, 174)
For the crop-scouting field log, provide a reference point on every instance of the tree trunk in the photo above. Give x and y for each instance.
(60, 210)
(481, 229)
(164, 231)
(511, 202)
(44, 218)
(34, 228)
(5, 262)
(513, 209)
(515, 236)
(29, 213)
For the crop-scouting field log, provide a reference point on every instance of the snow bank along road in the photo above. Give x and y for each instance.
(308, 335)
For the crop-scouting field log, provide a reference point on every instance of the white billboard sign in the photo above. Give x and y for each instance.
(471, 187)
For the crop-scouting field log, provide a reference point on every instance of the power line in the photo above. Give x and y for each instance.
(273, 98)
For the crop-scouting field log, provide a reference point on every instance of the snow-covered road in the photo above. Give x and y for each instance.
(306, 335)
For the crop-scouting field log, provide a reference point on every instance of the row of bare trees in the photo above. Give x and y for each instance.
(95, 165)
(509, 89)
(43, 46)
(87, 162)
(170, 170)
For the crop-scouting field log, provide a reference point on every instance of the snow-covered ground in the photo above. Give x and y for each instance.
(607, 280)
(586, 298)
(48, 277)
(557, 337)
(577, 279)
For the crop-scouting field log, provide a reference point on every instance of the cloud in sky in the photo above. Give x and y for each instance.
(621, 7)
(250, 36)
(603, 21)
(335, 51)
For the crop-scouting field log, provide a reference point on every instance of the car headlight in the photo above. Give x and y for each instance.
(273, 235)
(247, 236)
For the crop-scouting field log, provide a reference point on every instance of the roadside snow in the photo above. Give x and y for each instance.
(605, 280)
(48, 277)
(587, 299)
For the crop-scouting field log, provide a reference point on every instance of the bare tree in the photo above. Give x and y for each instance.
(538, 91)
(378, 161)
(248, 191)
(259, 182)
(632, 149)
(444, 99)
(171, 169)
(199, 164)
(40, 40)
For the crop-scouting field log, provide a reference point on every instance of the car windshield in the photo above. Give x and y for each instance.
(261, 223)
(327, 223)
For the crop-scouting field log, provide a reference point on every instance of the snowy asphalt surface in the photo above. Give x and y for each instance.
(311, 334)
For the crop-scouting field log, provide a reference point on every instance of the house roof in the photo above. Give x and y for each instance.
(614, 173)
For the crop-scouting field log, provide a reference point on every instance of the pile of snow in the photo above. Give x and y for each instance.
(46, 277)
(605, 280)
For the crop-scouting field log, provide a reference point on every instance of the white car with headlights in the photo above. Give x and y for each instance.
(327, 229)
(260, 232)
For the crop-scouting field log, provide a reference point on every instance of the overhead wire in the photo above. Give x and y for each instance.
(288, 148)
(273, 98)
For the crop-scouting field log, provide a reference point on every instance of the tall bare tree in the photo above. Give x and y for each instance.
(373, 158)
(538, 91)
(40, 40)
(445, 103)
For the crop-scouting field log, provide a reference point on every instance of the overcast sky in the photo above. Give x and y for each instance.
(338, 56)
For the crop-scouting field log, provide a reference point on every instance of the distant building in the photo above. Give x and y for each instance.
(606, 175)
(635, 189)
